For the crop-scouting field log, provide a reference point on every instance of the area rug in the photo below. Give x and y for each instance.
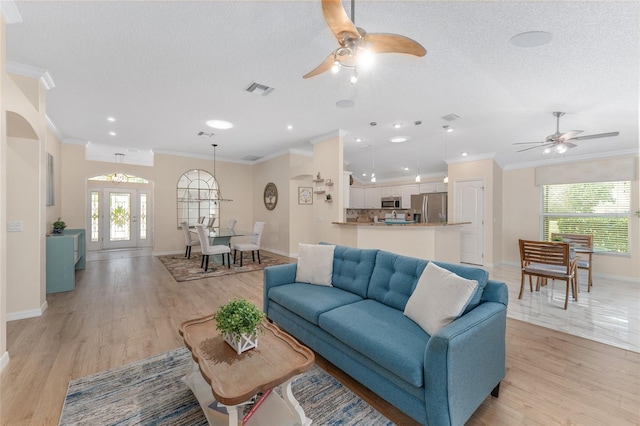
(184, 269)
(151, 392)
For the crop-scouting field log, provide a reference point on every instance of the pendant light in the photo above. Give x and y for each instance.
(373, 165)
(417, 169)
(119, 177)
(447, 129)
(215, 193)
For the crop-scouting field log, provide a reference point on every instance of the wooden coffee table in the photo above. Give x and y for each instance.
(222, 378)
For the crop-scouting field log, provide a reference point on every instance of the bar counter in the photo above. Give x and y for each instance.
(431, 241)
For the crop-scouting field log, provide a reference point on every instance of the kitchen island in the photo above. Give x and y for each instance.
(431, 241)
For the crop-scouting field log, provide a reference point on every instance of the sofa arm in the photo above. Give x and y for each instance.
(274, 276)
(464, 362)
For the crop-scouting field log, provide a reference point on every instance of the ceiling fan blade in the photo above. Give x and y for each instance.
(534, 147)
(324, 66)
(394, 43)
(338, 20)
(569, 144)
(599, 135)
(570, 134)
(525, 143)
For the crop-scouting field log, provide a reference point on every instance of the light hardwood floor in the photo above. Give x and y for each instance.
(127, 309)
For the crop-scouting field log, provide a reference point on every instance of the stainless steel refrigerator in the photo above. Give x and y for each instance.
(429, 208)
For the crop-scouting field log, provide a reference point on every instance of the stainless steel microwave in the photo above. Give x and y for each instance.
(391, 202)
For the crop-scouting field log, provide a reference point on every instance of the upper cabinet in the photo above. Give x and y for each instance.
(441, 187)
(407, 192)
(372, 198)
(427, 187)
(356, 197)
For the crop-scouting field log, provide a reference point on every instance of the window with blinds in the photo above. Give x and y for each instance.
(598, 208)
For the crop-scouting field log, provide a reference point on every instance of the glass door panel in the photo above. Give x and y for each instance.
(122, 219)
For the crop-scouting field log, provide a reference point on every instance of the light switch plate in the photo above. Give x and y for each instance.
(15, 226)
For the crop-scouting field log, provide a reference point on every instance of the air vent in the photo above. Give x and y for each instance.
(259, 89)
(251, 158)
(451, 117)
(205, 134)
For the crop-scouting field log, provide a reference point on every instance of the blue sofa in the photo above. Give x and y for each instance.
(358, 325)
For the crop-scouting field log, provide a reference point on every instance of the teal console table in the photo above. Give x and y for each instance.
(66, 253)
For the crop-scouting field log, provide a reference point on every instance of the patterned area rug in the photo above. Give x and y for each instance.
(184, 269)
(151, 392)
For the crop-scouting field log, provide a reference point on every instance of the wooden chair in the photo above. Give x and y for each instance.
(583, 244)
(548, 260)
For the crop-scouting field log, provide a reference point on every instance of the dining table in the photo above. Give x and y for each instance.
(222, 236)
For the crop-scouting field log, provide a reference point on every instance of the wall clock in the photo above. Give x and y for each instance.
(270, 196)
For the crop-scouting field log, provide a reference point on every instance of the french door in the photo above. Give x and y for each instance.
(120, 218)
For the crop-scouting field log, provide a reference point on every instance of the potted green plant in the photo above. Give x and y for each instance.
(58, 226)
(239, 322)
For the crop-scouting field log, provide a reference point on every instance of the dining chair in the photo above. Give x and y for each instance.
(208, 250)
(232, 224)
(253, 246)
(545, 259)
(187, 238)
(212, 220)
(583, 245)
(201, 219)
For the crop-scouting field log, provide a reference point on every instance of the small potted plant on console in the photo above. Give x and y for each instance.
(239, 322)
(58, 226)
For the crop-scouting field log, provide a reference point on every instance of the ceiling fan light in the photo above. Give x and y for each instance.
(366, 59)
(336, 67)
(546, 151)
(561, 148)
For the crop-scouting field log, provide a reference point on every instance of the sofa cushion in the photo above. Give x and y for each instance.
(394, 278)
(308, 300)
(352, 269)
(439, 298)
(470, 273)
(315, 264)
(382, 334)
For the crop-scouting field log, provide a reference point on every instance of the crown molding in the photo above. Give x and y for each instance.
(10, 12)
(53, 128)
(32, 72)
(563, 160)
(328, 135)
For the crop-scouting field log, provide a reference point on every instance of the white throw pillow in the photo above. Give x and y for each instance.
(315, 264)
(439, 298)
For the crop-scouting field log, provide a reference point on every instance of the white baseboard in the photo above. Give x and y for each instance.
(4, 361)
(28, 314)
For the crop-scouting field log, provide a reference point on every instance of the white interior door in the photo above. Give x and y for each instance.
(469, 207)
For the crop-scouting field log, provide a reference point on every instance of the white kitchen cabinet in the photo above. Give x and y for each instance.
(427, 187)
(386, 191)
(346, 200)
(356, 197)
(407, 192)
(441, 187)
(372, 198)
(396, 191)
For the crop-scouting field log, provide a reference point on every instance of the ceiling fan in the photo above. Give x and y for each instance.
(560, 142)
(356, 45)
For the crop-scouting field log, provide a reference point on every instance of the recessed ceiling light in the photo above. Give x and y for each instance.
(359, 139)
(364, 174)
(464, 154)
(112, 133)
(405, 168)
(397, 125)
(289, 127)
(531, 39)
(219, 124)
(399, 139)
(345, 103)
(111, 119)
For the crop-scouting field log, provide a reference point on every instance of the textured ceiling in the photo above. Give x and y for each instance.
(163, 68)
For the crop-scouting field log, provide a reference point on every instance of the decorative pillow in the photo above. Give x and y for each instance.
(315, 264)
(439, 298)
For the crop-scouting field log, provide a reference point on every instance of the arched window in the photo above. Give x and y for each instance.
(198, 198)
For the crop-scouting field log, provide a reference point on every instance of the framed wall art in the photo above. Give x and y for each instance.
(305, 195)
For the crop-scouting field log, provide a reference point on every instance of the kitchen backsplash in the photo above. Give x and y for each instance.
(368, 215)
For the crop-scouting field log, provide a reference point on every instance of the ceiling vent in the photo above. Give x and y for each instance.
(205, 134)
(251, 158)
(259, 89)
(451, 117)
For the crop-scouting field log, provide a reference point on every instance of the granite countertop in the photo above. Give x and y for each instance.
(398, 224)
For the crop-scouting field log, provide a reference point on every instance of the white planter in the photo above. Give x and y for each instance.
(244, 343)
